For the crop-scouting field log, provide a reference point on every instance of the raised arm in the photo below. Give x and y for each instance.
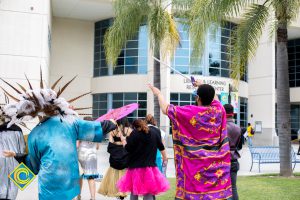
(162, 102)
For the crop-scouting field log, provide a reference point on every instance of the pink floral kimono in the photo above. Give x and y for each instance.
(202, 153)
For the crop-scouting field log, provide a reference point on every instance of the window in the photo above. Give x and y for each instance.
(122, 99)
(100, 65)
(100, 105)
(243, 112)
(219, 55)
(182, 99)
(106, 101)
(295, 120)
(294, 62)
(133, 58)
(182, 57)
(216, 59)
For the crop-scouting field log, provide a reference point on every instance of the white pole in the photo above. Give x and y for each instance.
(172, 68)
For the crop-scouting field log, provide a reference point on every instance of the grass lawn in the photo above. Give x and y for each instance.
(266, 187)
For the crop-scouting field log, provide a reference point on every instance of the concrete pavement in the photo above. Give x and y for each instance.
(31, 192)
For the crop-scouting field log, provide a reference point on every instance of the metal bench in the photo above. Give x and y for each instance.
(269, 155)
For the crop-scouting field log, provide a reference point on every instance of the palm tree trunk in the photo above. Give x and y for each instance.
(156, 81)
(283, 101)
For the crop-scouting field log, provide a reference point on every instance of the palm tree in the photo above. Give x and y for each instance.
(255, 16)
(130, 15)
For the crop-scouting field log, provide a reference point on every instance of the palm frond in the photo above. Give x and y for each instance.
(167, 35)
(205, 13)
(130, 14)
(287, 10)
(181, 8)
(246, 38)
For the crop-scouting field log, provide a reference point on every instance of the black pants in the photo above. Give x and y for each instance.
(235, 166)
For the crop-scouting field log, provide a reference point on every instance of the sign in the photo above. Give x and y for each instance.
(220, 85)
(22, 176)
(235, 101)
(224, 98)
(258, 126)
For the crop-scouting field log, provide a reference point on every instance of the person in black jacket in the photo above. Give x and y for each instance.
(117, 160)
(143, 178)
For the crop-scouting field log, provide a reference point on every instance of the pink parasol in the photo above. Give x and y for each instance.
(119, 113)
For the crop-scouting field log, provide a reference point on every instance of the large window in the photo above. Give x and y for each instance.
(132, 59)
(106, 101)
(182, 99)
(181, 59)
(294, 62)
(216, 58)
(295, 120)
(219, 50)
(243, 112)
(100, 105)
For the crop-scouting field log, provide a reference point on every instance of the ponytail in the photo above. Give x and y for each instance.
(140, 125)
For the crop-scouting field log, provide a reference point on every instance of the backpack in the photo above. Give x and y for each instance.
(252, 131)
(241, 140)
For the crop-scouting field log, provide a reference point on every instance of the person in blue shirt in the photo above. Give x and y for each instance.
(52, 143)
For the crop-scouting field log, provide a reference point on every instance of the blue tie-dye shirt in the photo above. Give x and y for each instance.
(53, 155)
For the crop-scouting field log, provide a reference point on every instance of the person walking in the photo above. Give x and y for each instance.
(201, 146)
(118, 161)
(234, 135)
(87, 156)
(159, 161)
(250, 132)
(11, 140)
(143, 178)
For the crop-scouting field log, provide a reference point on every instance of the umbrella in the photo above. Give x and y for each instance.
(119, 113)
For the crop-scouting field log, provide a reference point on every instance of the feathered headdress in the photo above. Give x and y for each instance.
(40, 102)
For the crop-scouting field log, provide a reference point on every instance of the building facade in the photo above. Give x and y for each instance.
(66, 38)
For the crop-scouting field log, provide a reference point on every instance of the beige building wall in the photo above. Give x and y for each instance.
(71, 55)
(25, 33)
(262, 91)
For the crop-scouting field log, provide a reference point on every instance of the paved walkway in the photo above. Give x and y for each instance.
(30, 193)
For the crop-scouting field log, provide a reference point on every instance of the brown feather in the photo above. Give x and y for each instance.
(82, 108)
(56, 82)
(76, 98)
(84, 114)
(11, 86)
(30, 86)
(41, 76)
(11, 96)
(6, 99)
(23, 88)
(24, 125)
(65, 86)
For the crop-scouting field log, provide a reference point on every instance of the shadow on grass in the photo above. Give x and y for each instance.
(262, 187)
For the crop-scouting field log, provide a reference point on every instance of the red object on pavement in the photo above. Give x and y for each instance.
(119, 113)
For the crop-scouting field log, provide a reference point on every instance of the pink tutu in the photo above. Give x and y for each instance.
(143, 181)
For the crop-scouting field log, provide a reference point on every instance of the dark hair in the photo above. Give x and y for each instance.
(124, 122)
(88, 118)
(150, 120)
(140, 125)
(228, 108)
(206, 94)
(249, 124)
